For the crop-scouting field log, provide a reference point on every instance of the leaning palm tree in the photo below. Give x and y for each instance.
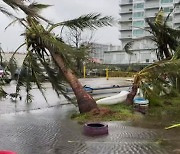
(42, 42)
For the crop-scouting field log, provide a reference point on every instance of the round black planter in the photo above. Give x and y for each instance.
(95, 129)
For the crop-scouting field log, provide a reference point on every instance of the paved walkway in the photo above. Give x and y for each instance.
(50, 131)
(36, 129)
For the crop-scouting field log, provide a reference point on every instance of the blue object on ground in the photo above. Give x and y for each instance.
(88, 89)
(141, 100)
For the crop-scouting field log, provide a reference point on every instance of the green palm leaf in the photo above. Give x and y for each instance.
(91, 21)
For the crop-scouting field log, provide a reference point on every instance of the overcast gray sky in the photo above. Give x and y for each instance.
(65, 10)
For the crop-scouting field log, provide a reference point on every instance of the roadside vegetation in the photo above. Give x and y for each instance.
(161, 115)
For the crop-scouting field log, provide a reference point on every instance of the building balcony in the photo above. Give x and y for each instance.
(176, 1)
(126, 12)
(125, 26)
(125, 20)
(150, 14)
(126, 9)
(176, 20)
(177, 25)
(126, 2)
(177, 11)
(151, 6)
(125, 37)
(127, 29)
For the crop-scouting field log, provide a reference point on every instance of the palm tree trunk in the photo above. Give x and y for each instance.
(85, 101)
(131, 95)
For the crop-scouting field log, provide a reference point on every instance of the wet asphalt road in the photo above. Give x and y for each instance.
(37, 129)
(49, 131)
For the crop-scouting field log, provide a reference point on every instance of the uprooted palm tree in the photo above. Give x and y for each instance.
(166, 40)
(42, 42)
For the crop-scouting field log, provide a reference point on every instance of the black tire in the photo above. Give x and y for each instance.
(95, 129)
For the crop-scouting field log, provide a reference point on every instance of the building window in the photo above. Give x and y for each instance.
(166, 1)
(138, 32)
(167, 9)
(138, 14)
(138, 6)
(147, 60)
(139, 23)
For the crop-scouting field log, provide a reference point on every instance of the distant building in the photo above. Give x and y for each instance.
(97, 51)
(121, 57)
(18, 56)
(109, 54)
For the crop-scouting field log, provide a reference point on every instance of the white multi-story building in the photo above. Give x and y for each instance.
(133, 15)
(133, 26)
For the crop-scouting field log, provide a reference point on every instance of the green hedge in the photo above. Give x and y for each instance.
(121, 74)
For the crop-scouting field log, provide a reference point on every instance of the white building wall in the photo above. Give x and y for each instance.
(18, 56)
(121, 57)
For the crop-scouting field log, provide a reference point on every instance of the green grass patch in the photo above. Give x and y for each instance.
(118, 112)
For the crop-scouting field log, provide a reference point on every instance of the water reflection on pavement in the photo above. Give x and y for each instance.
(50, 131)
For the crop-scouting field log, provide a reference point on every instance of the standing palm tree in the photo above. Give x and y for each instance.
(164, 36)
(166, 39)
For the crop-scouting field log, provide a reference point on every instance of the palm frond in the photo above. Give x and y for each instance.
(30, 10)
(159, 20)
(11, 23)
(15, 3)
(3, 94)
(6, 12)
(37, 6)
(37, 74)
(177, 53)
(161, 81)
(91, 21)
(172, 126)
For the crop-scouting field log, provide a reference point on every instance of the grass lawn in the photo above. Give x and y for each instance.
(118, 112)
